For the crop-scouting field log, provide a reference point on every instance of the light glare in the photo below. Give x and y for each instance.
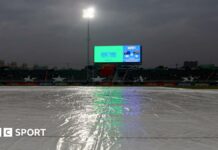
(89, 13)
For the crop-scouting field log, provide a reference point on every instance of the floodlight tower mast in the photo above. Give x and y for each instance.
(88, 13)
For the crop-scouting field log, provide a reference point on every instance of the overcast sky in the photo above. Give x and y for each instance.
(52, 32)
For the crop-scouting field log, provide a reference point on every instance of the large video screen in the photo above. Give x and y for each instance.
(118, 54)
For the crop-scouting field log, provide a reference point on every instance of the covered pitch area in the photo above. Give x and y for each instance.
(112, 118)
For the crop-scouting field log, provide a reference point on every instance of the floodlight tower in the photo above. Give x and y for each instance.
(88, 13)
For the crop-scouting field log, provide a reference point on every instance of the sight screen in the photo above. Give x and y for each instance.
(117, 54)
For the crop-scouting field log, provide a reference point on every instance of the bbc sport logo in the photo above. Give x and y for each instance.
(10, 132)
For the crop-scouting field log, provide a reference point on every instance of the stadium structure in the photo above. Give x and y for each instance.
(113, 65)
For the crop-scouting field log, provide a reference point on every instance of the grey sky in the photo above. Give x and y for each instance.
(52, 32)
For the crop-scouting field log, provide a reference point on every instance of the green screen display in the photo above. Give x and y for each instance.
(117, 54)
(108, 54)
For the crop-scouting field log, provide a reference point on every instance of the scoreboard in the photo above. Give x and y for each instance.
(130, 54)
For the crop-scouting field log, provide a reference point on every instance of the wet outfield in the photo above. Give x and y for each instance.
(103, 118)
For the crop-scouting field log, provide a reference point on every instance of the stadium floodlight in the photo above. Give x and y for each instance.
(89, 13)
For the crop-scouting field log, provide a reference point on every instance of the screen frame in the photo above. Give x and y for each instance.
(119, 63)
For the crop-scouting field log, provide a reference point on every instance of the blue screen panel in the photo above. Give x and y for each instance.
(132, 53)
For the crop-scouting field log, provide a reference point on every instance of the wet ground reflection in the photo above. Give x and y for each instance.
(101, 121)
